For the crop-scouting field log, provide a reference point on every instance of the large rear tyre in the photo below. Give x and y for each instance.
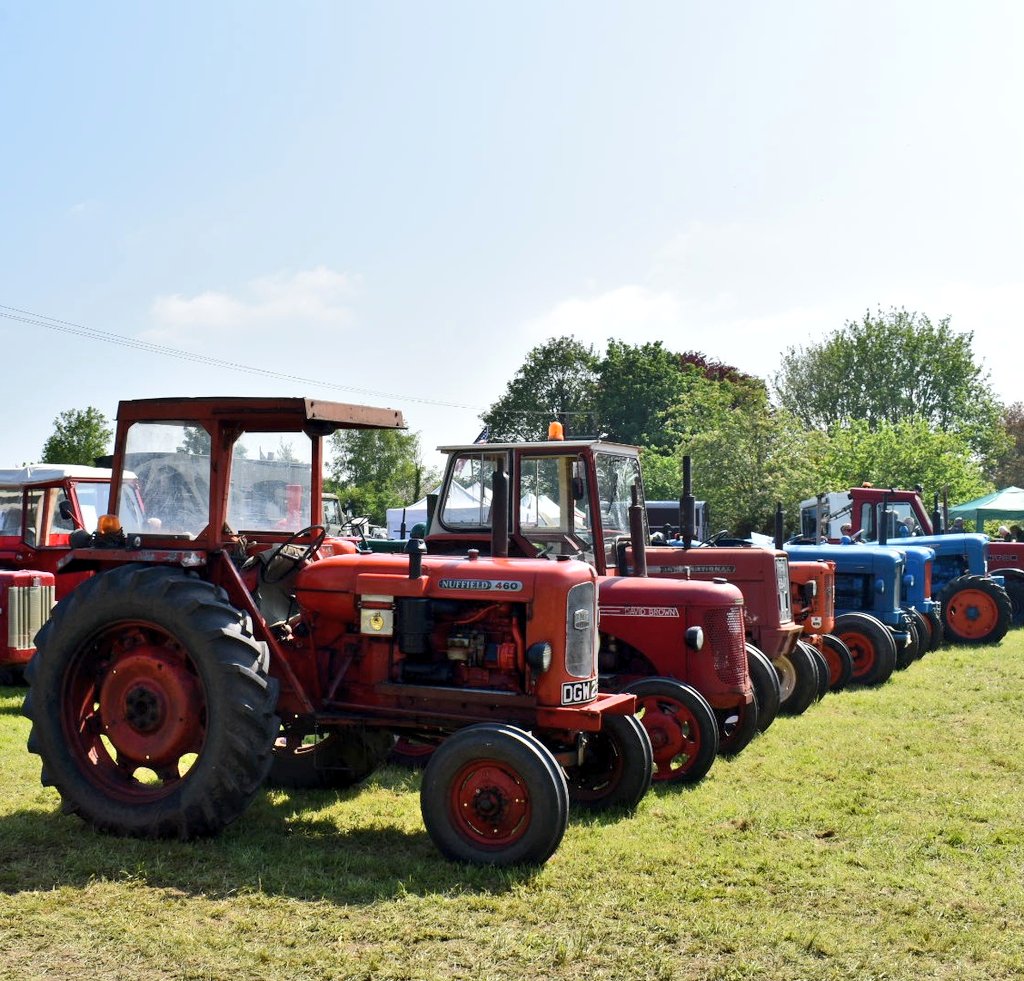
(335, 759)
(617, 767)
(494, 795)
(681, 726)
(150, 704)
(840, 662)
(975, 611)
(871, 645)
(798, 681)
(766, 686)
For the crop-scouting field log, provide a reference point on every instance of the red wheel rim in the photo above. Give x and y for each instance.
(862, 651)
(972, 613)
(133, 710)
(674, 734)
(490, 803)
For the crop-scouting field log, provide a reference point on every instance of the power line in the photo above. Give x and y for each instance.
(78, 330)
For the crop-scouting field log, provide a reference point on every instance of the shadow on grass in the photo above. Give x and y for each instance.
(280, 846)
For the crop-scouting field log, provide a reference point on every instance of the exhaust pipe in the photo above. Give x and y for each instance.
(883, 522)
(687, 506)
(779, 526)
(636, 534)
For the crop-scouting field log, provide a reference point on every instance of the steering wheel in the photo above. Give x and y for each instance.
(290, 560)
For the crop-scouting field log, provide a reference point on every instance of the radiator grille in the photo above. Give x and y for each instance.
(723, 628)
(28, 608)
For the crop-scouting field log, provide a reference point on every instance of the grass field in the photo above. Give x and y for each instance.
(877, 836)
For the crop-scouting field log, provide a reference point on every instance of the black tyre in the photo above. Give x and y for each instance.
(337, 758)
(840, 662)
(13, 674)
(617, 767)
(737, 727)
(871, 646)
(494, 795)
(923, 629)
(766, 687)
(975, 611)
(937, 633)
(822, 666)
(150, 704)
(1014, 580)
(908, 653)
(681, 726)
(798, 681)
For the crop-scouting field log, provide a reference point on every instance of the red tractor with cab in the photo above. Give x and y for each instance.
(678, 646)
(222, 638)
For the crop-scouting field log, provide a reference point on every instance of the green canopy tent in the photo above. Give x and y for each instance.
(1004, 505)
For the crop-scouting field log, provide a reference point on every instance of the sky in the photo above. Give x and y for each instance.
(392, 203)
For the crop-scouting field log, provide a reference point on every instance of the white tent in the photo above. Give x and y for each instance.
(463, 504)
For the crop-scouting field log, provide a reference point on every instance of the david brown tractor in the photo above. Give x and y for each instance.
(222, 638)
(678, 646)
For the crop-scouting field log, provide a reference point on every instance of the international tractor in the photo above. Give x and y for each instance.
(222, 638)
(678, 646)
(975, 606)
(40, 506)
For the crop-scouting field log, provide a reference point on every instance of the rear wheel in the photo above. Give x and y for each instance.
(150, 704)
(975, 611)
(766, 686)
(840, 661)
(494, 795)
(617, 767)
(681, 726)
(338, 758)
(798, 680)
(871, 646)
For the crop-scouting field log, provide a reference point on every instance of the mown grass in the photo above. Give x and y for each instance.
(878, 836)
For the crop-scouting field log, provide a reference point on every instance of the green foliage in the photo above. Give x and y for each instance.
(636, 385)
(559, 376)
(376, 469)
(901, 454)
(888, 368)
(1008, 469)
(80, 437)
(195, 441)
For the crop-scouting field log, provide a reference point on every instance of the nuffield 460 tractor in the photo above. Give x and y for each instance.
(223, 637)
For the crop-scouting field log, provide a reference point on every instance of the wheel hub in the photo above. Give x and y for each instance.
(489, 804)
(149, 707)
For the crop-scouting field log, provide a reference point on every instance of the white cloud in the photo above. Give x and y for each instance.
(318, 296)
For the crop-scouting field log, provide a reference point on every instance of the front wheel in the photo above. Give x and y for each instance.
(681, 726)
(494, 795)
(617, 767)
(840, 662)
(821, 664)
(150, 704)
(924, 631)
(766, 686)
(871, 646)
(975, 611)
(798, 680)
(1014, 580)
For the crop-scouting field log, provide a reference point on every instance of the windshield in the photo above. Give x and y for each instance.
(271, 477)
(616, 476)
(467, 502)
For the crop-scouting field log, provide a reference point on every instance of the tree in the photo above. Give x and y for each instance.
(558, 378)
(636, 386)
(80, 437)
(374, 469)
(902, 454)
(889, 368)
(1008, 470)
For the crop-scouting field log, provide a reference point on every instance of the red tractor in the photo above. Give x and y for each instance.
(678, 646)
(812, 591)
(40, 505)
(222, 637)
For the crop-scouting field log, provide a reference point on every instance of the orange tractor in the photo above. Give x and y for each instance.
(223, 638)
